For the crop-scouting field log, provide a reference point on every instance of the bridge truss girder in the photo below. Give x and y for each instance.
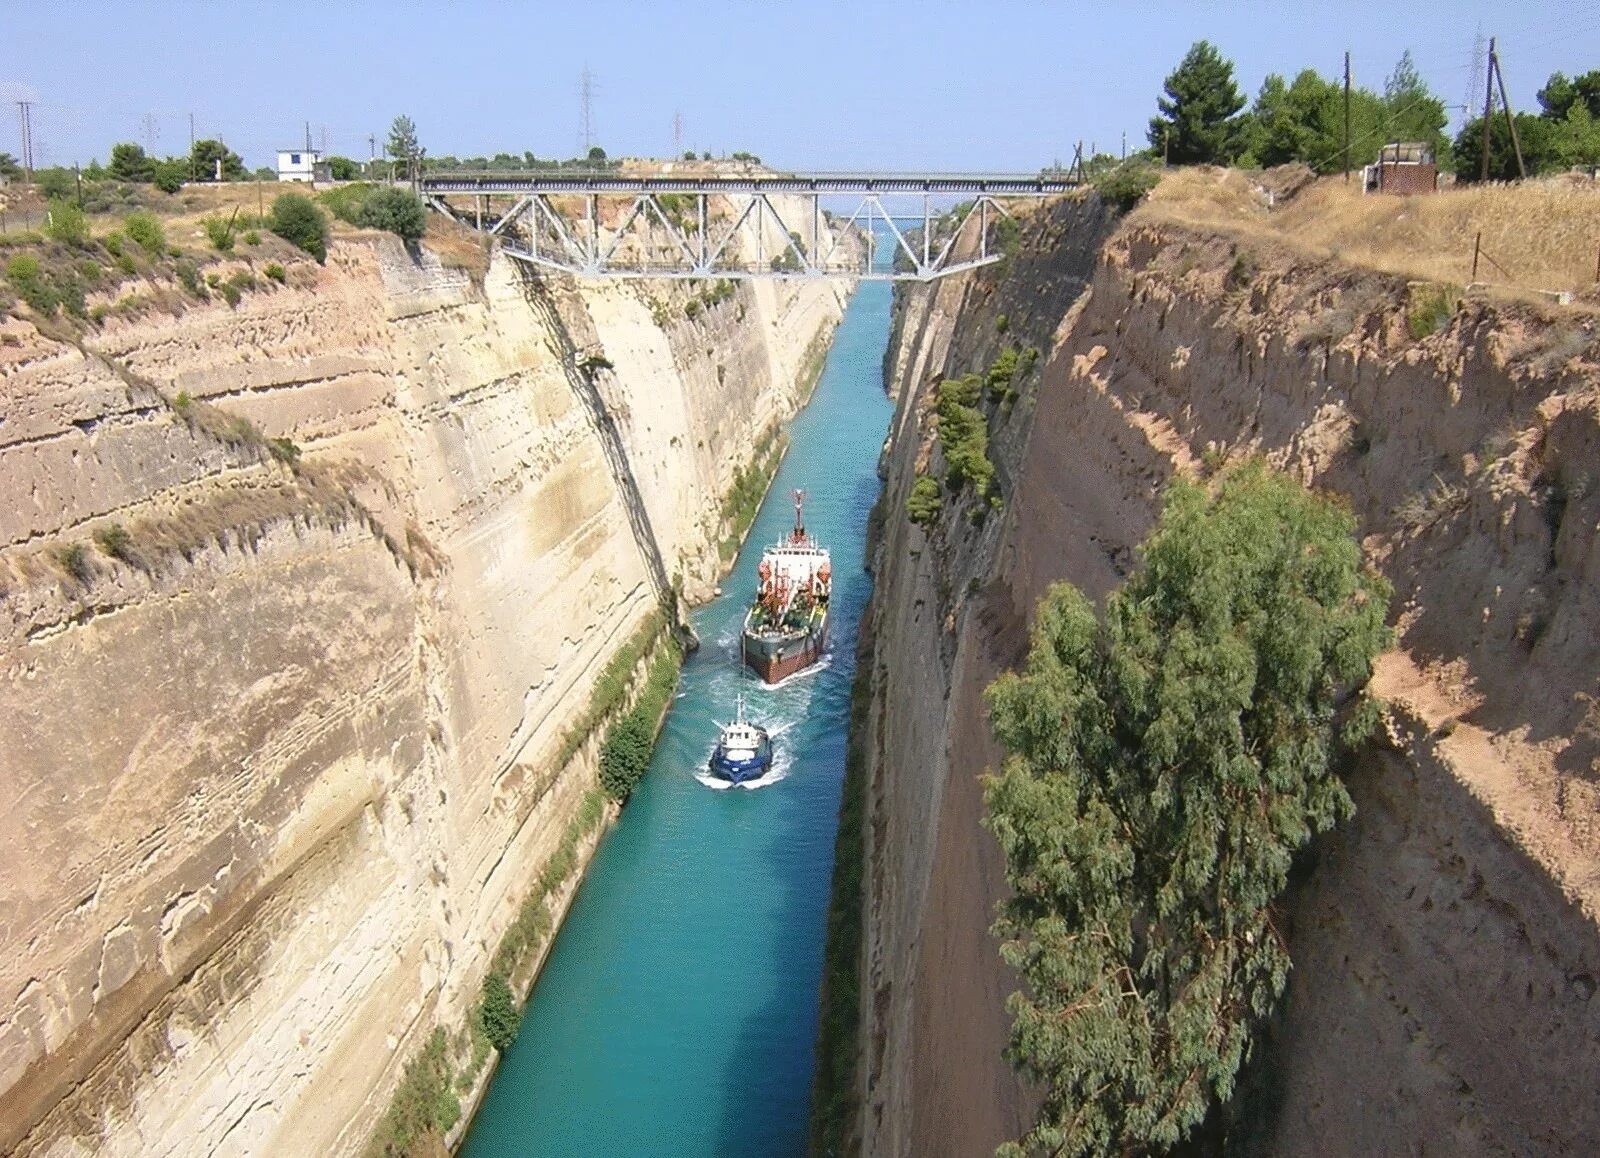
(541, 229)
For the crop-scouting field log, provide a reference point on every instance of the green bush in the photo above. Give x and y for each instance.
(274, 272)
(300, 223)
(964, 434)
(189, 278)
(924, 502)
(397, 211)
(1125, 186)
(497, 1012)
(251, 237)
(45, 290)
(170, 175)
(116, 542)
(218, 232)
(1165, 760)
(68, 224)
(284, 450)
(55, 183)
(348, 201)
(146, 231)
(1429, 310)
(22, 267)
(625, 755)
(73, 558)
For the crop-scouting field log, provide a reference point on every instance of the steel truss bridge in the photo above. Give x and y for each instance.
(609, 225)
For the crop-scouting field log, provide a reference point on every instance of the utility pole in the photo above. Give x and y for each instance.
(1347, 116)
(1511, 121)
(1124, 144)
(1488, 111)
(323, 138)
(308, 136)
(151, 131)
(25, 110)
(586, 97)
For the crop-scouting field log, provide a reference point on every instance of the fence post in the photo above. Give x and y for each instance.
(1476, 243)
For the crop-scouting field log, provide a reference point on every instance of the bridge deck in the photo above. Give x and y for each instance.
(993, 184)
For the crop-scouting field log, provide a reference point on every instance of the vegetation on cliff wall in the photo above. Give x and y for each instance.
(630, 741)
(749, 487)
(964, 433)
(1164, 762)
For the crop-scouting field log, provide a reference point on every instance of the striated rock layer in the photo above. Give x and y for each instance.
(281, 756)
(1446, 941)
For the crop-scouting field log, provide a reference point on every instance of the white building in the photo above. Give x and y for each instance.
(298, 164)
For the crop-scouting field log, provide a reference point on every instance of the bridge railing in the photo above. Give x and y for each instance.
(608, 181)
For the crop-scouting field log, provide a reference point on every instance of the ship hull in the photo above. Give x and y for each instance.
(776, 658)
(739, 771)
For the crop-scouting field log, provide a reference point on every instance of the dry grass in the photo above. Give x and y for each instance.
(1541, 235)
(457, 247)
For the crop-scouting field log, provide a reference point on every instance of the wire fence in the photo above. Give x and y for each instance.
(21, 221)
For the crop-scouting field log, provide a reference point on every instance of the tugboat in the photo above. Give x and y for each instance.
(786, 628)
(743, 751)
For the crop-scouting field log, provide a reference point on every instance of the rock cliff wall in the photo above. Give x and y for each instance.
(302, 600)
(1445, 942)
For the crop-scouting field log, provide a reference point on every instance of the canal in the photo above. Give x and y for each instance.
(677, 1012)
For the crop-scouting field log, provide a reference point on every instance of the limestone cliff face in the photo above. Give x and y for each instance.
(282, 753)
(1445, 942)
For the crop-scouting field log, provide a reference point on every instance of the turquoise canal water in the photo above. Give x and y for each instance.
(678, 1010)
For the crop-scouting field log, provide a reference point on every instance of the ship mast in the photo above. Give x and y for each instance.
(799, 517)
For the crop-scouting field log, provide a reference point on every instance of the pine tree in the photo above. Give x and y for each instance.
(1411, 111)
(404, 148)
(1199, 119)
(1164, 763)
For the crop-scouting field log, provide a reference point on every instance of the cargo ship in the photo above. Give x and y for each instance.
(786, 628)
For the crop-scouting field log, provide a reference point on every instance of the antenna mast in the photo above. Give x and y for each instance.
(586, 96)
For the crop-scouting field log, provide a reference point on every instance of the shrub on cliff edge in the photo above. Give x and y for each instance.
(1165, 761)
(1125, 186)
(397, 211)
(295, 219)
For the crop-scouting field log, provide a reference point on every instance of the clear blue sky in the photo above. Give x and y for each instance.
(898, 83)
